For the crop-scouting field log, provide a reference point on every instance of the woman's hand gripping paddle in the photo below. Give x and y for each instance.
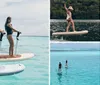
(1, 36)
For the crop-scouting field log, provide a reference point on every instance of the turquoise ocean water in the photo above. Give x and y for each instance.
(36, 71)
(83, 63)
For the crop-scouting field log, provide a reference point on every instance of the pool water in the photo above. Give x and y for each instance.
(83, 66)
(36, 71)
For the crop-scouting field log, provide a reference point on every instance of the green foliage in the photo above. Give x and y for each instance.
(83, 9)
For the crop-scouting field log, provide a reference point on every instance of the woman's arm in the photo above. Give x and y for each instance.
(10, 26)
(65, 7)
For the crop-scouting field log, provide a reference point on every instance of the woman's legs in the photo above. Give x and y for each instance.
(11, 42)
(73, 26)
(67, 28)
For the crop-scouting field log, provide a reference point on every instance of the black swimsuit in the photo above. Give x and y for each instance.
(60, 66)
(8, 30)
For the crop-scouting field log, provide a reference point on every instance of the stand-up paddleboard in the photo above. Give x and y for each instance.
(11, 69)
(24, 56)
(71, 33)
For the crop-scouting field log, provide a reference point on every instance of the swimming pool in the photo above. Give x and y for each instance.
(36, 71)
(83, 65)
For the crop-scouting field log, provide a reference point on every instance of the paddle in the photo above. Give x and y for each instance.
(1, 36)
(17, 39)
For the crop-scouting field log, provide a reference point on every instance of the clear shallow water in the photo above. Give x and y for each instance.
(83, 66)
(36, 71)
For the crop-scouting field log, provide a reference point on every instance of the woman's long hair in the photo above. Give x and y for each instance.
(8, 18)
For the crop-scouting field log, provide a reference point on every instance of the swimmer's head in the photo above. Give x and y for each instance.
(8, 20)
(60, 65)
(66, 61)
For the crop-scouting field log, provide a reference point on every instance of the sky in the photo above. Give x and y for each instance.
(31, 17)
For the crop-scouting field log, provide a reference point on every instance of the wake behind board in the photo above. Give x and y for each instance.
(71, 33)
(11, 69)
(23, 56)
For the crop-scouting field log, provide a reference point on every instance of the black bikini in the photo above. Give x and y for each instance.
(8, 30)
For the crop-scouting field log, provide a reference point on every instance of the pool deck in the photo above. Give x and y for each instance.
(65, 41)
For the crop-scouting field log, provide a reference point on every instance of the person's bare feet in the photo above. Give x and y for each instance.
(74, 31)
(14, 56)
(9, 56)
(66, 30)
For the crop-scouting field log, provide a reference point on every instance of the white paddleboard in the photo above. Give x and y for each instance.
(23, 56)
(11, 69)
(71, 33)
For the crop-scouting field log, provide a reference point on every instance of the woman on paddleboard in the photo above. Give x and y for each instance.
(69, 17)
(9, 29)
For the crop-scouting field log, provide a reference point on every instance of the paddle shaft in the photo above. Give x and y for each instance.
(16, 47)
(17, 39)
(0, 44)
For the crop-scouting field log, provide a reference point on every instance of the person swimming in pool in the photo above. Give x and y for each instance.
(59, 67)
(66, 65)
(69, 17)
(9, 29)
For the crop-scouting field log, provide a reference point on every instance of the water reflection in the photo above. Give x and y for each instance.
(60, 79)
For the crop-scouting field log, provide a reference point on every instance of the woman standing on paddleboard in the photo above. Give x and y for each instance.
(69, 17)
(9, 29)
